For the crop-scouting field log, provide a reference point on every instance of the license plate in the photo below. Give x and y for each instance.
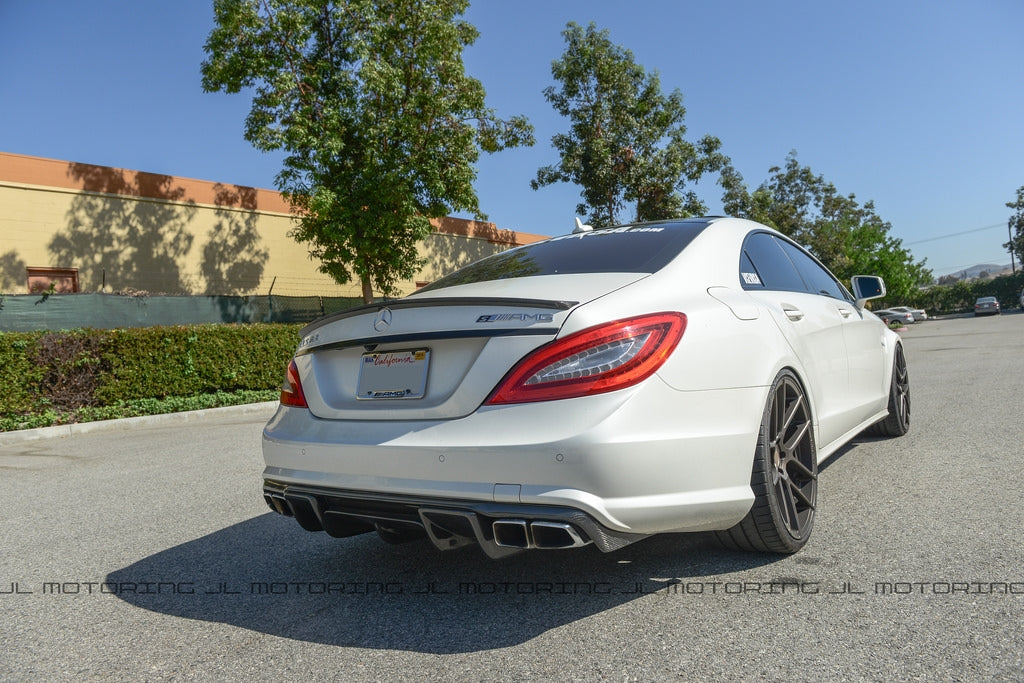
(393, 374)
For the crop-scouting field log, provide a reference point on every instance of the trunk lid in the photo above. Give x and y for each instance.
(437, 354)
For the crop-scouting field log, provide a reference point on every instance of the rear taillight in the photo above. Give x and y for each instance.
(291, 392)
(599, 359)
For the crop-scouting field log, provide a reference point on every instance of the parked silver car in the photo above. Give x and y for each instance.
(919, 314)
(891, 315)
(987, 305)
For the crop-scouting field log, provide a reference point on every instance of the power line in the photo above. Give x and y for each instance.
(949, 270)
(957, 234)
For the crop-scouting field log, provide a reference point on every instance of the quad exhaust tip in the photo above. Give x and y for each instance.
(523, 534)
(447, 528)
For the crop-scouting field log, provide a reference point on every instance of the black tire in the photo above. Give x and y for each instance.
(784, 477)
(898, 421)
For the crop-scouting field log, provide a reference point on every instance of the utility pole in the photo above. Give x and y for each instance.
(1009, 231)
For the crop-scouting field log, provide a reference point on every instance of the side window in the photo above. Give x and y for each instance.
(818, 280)
(772, 269)
(749, 277)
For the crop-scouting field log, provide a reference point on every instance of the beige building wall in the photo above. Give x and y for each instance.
(130, 231)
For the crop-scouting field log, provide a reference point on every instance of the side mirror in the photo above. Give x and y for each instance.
(867, 287)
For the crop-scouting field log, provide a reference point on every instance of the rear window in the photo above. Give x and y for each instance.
(642, 248)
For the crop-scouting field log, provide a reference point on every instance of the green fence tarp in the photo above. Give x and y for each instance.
(28, 312)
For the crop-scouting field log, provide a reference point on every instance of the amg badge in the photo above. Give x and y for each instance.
(524, 317)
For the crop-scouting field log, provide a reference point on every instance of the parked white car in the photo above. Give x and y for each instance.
(918, 314)
(894, 318)
(597, 387)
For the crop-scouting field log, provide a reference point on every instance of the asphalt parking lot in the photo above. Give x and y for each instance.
(144, 550)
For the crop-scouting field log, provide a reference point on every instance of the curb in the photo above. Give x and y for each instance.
(257, 410)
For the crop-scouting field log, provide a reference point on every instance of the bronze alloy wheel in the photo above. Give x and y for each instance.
(793, 468)
(784, 476)
(898, 421)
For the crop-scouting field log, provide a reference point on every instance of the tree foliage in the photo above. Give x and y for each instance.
(379, 121)
(1016, 225)
(625, 144)
(849, 238)
(960, 295)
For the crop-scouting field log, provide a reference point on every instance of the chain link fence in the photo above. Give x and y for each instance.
(28, 312)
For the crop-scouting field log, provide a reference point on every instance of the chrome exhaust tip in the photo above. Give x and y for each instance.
(511, 533)
(555, 535)
(519, 533)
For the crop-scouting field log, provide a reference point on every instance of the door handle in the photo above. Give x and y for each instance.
(792, 312)
(845, 312)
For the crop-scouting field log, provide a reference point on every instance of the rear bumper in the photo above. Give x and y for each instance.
(499, 529)
(623, 464)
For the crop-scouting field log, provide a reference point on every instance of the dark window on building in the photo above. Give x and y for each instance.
(62, 280)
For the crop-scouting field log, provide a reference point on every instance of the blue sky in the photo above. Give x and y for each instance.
(915, 104)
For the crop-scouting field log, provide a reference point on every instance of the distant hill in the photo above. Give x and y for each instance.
(975, 271)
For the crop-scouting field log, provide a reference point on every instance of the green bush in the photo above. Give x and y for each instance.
(960, 296)
(18, 375)
(158, 362)
(82, 375)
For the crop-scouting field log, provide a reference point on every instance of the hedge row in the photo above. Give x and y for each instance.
(960, 296)
(78, 375)
(69, 376)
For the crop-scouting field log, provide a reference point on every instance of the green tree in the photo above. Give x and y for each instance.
(849, 238)
(380, 123)
(1016, 225)
(625, 143)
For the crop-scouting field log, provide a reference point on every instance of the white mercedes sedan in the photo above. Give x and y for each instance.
(598, 387)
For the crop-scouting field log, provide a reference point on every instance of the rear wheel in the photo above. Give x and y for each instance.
(784, 476)
(898, 422)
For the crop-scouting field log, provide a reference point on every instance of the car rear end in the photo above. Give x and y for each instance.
(539, 420)
(986, 306)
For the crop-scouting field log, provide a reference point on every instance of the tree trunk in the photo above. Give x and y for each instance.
(367, 289)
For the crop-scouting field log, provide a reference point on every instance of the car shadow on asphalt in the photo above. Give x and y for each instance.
(267, 575)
